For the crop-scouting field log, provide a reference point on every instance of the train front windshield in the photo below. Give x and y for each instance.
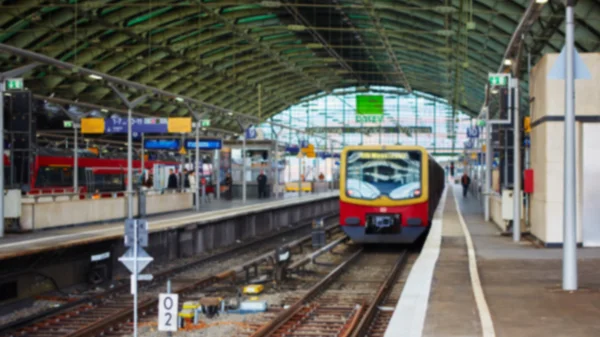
(373, 174)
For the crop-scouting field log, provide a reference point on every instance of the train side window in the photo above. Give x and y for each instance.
(54, 177)
(58, 177)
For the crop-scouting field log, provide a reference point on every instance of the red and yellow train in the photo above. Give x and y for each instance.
(53, 173)
(388, 194)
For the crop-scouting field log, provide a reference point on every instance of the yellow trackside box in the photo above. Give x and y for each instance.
(253, 289)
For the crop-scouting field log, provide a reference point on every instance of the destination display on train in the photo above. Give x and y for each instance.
(383, 155)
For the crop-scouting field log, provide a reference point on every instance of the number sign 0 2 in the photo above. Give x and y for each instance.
(167, 312)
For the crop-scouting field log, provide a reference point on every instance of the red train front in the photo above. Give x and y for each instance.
(388, 194)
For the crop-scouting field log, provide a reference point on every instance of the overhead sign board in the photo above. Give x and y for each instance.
(175, 144)
(162, 144)
(116, 125)
(138, 125)
(204, 144)
(92, 125)
(205, 123)
(369, 118)
(369, 105)
(180, 125)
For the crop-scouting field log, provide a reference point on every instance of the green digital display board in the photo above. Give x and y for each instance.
(369, 105)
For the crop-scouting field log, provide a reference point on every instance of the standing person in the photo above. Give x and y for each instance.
(452, 169)
(193, 184)
(229, 187)
(465, 181)
(172, 184)
(186, 179)
(150, 182)
(262, 184)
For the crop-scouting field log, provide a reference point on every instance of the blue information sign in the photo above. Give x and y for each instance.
(139, 125)
(473, 132)
(161, 144)
(204, 144)
(250, 133)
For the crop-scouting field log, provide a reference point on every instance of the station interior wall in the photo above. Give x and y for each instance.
(547, 151)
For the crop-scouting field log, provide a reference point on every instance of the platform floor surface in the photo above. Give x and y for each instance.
(521, 283)
(26, 243)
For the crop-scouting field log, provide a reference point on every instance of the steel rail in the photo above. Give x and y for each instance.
(99, 327)
(361, 327)
(361, 318)
(271, 327)
(97, 298)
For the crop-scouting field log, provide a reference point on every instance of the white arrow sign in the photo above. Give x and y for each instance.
(143, 259)
(558, 71)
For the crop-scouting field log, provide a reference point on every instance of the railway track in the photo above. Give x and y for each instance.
(110, 313)
(345, 303)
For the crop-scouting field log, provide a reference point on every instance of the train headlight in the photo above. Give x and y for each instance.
(354, 193)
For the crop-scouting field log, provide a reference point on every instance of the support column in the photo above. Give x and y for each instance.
(75, 159)
(198, 116)
(488, 168)
(217, 166)
(244, 167)
(514, 83)
(198, 180)
(142, 167)
(569, 215)
(130, 106)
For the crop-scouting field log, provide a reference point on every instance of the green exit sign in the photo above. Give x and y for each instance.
(498, 79)
(14, 84)
(68, 124)
(205, 123)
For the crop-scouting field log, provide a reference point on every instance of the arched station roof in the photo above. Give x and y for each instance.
(220, 52)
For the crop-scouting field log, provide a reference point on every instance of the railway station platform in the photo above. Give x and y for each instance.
(471, 281)
(68, 254)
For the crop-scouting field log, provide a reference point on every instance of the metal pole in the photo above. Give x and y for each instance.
(516, 165)
(488, 169)
(129, 167)
(197, 167)
(570, 239)
(135, 279)
(276, 171)
(300, 176)
(142, 167)
(182, 161)
(244, 167)
(259, 101)
(75, 160)
(2, 154)
(217, 166)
